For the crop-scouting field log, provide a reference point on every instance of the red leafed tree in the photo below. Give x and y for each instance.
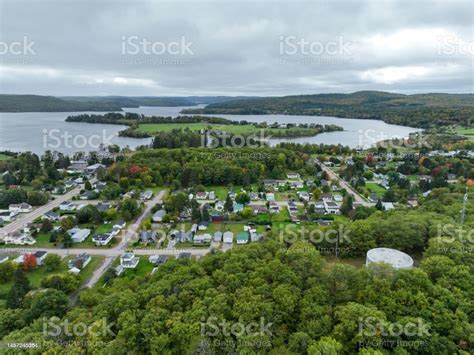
(29, 262)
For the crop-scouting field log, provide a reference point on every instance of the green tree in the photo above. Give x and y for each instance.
(52, 262)
(21, 286)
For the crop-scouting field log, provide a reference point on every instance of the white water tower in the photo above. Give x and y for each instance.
(393, 257)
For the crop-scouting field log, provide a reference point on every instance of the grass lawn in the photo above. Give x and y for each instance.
(331, 261)
(143, 268)
(90, 268)
(234, 129)
(375, 188)
(35, 277)
(5, 157)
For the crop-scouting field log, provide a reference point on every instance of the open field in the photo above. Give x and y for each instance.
(234, 129)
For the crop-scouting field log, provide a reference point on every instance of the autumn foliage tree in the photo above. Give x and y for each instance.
(29, 262)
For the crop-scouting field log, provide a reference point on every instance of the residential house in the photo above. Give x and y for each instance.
(115, 231)
(78, 235)
(92, 169)
(270, 196)
(242, 238)
(19, 239)
(184, 255)
(388, 206)
(80, 261)
(128, 260)
(228, 237)
(88, 195)
(158, 216)
(102, 239)
(258, 209)
(212, 195)
(67, 206)
(20, 208)
(103, 206)
(202, 195)
(217, 236)
(202, 239)
(331, 207)
(304, 195)
(274, 208)
(120, 224)
(255, 237)
(203, 225)
(219, 206)
(338, 198)
(4, 258)
(254, 196)
(238, 207)
(7, 216)
(40, 255)
(147, 236)
(157, 259)
(146, 195)
(182, 236)
(52, 216)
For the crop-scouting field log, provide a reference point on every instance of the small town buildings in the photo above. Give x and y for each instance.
(158, 216)
(202, 195)
(212, 195)
(40, 255)
(331, 207)
(120, 224)
(146, 195)
(202, 239)
(147, 236)
(293, 176)
(80, 261)
(182, 236)
(51, 216)
(102, 239)
(388, 206)
(157, 259)
(20, 208)
(78, 235)
(228, 237)
(103, 206)
(218, 236)
(270, 196)
(67, 206)
(7, 216)
(242, 238)
(238, 207)
(128, 260)
(203, 225)
(274, 208)
(18, 238)
(4, 258)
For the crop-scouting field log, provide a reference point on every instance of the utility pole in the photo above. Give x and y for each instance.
(463, 211)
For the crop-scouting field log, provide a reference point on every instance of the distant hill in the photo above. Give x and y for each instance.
(420, 110)
(37, 103)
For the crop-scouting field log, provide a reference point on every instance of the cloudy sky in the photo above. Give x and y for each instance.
(163, 48)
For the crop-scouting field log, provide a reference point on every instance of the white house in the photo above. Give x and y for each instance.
(120, 224)
(293, 176)
(158, 215)
(202, 238)
(270, 196)
(331, 207)
(20, 208)
(78, 235)
(129, 260)
(7, 216)
(228, 237)
(67, 206)
(146, 195)
(102, 239)
(40, 255)
(52, 216)
(79, 262)
(4, 258)
(19, 239)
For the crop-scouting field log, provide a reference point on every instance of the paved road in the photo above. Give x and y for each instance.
(358, 199)
(25, 218)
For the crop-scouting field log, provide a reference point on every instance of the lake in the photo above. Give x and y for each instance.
(39, 131)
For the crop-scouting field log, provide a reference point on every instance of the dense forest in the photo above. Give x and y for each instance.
(421, 110)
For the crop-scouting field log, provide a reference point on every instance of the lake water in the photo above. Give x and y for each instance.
(39, 131)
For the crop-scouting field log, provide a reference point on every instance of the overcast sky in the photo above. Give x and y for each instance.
(164, 48)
